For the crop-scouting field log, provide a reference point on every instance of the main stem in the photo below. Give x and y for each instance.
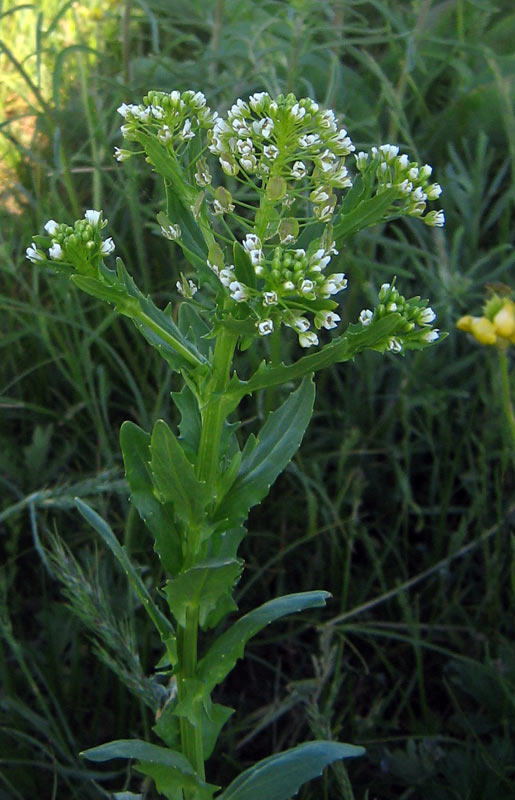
(214, 413)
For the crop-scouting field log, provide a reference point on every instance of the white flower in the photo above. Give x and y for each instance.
(107, 246)
(229, 166)
(334, 284)
(171, 232)
(301, 324)
(361, 160)
(238, 291)
(214, 267)
(319, 260)
(56, 251)
(265, 326)
(93, 217)
(430, 336)
(413, 173)
(390, 151)
(251, 242)
(297, 112)
(143, 114)
(326, 160)
(366, 316)
(226, 276)
(395, 345)
(51, 226)
(299, 170)
(308, 139)
(270, 298)
(436, 219)
(257, 99)
(288, 286)
(306, 287)
(121, 155)
(186, 132)
(326, 319)
(426, 316)
(308, 339)
(419, 195)
(33, 253)
(403, 161)
(426, 171)
(249, 163)
(157, 112)
(164, 134)
(125, 109)
(270, 151)
(186, 288)
(433, 191)
(391, 307)
(256, 257)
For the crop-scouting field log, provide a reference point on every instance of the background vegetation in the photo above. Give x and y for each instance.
(401, 500)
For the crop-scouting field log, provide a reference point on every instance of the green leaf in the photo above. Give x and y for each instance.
(174, 476)
(163, 342)
(243, 269)
(158, 517)
(194, 328)
(203, 587)
(172, 784)
(163, 625)
(364, 215)
(168, 728)
(262, 462)
(356, 339)
(229, 647)
(279, 777)
(190, 426)
(170, 770)
(146, 751)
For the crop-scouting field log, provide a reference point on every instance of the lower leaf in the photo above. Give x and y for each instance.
(279, 777)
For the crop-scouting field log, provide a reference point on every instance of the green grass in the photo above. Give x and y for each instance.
(401, 500)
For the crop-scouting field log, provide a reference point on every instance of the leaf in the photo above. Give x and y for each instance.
(229, 647)
(364, 215)
(343, 348)
(202, 586)
(168, 729)
(172, 784)
(158, 517)
(174, 476)
(193, 328)
(163, 625)
(164, 342)
(280, 776)
(190, 426)
(170, 770)
(276, 444)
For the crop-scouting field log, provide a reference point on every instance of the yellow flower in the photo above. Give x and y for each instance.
(504, 321)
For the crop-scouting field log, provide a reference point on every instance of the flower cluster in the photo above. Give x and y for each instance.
(175, 118)
(496, 326)
(415, 312)
(288, 285)
(393, 171)
(287, 139)
(81, 246)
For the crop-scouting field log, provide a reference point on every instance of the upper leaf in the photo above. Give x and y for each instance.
(265, 458)
(230, 646)
(174, 476)
(203, 587)
(158, 517)
(280, 776)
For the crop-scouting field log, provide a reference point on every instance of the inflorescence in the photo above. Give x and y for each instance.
(286, 162)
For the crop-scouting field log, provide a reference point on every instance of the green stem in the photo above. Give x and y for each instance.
(191, 735)
(506, 397)
(140, 315)
(214, 411)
